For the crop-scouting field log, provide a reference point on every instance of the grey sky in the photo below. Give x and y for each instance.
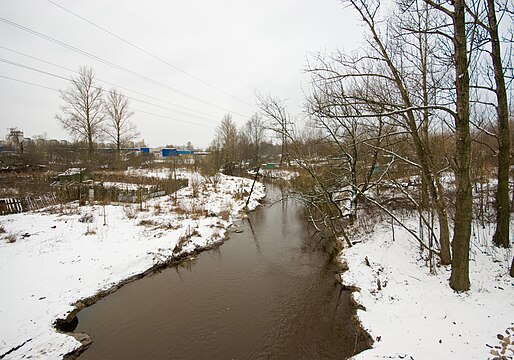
(218, 53)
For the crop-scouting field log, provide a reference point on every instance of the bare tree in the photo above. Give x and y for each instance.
(254, 132)
(82, 115)
(382, 83)
(502, 234)
(455, 14)
(118, 128)
(227, 139)
(356, 141)
(274, 110)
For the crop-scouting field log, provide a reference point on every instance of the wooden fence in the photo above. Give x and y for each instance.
(83, 193)
(27, 203)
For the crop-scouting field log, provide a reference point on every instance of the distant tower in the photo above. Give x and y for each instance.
(14, 138)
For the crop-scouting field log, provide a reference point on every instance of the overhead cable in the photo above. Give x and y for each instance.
(148, 53)
(109, 63)
(136, 110)
(102, 81)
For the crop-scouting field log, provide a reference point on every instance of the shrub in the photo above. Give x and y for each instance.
(90, 231)
(195, 212)
(225, 215)
(12, 237)
(195, 187)
(215, 180)
(86, 218)
(169, 226)
(216, 236)
(147, 222)
(194, 232)
(64, 209)
(130, 211)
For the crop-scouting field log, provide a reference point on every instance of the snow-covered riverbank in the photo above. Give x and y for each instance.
(49, 260)
(412, 314)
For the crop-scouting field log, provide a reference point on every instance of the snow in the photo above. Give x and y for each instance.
(71, 253)
(287, 174)
(412, 314)
(72, 171)
(160, 173)
(123, 186)
(283, 174)
(66, 254)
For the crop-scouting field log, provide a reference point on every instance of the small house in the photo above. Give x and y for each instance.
(78, 175)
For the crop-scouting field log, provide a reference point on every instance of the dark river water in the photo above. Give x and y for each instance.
(269, 292)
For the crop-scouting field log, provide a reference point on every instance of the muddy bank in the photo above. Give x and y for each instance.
(69, 324)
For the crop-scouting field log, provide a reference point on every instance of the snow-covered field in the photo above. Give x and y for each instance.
(49, 260)
(412, 314)
(160, 173)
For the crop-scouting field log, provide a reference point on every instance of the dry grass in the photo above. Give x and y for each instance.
(86, 218)
(195, 187)
(169, 226)
(216, 235)
(12, 237)
(224, 214)
(90, 231)
(130, 211)
(147, 222)
(195, 212)
(64, 209)
(180, 210)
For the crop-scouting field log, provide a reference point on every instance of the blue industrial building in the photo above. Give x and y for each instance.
(174, 152)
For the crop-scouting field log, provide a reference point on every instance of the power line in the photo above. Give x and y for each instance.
(109, 63)
(157, 29)
(105, 82)
(98, 88)
(147, 52)
(167, 117)
(33, 69)
(137, 110)
(29, 83)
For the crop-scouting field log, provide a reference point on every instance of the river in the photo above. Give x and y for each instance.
(269, 292)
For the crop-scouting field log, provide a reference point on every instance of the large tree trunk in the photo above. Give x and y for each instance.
(459, 280)
(501, 235)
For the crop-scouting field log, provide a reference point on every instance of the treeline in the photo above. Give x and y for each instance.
(55, 155)
(424, 99)
(243, 148)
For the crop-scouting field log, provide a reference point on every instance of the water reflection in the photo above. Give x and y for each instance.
(267, 293)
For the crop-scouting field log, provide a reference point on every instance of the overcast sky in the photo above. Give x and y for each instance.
(190, 62)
